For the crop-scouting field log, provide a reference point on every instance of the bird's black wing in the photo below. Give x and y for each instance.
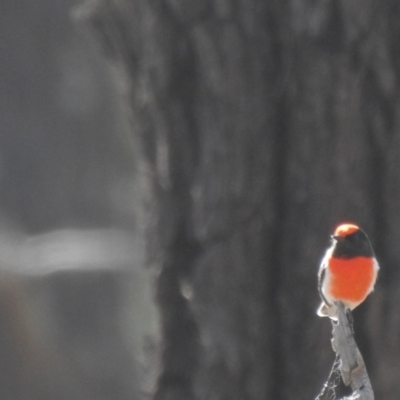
(321, 277)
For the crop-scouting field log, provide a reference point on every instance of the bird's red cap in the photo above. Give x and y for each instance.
(346, 229)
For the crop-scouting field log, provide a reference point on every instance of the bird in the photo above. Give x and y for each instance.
(347, 272)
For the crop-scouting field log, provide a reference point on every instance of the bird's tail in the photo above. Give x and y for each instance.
(327, 311)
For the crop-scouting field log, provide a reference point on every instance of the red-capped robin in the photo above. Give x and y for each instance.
(348, 270)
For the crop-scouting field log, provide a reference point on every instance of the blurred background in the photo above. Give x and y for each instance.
(170, 173)
(76, 316)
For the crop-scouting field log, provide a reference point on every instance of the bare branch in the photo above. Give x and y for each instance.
(352, 367)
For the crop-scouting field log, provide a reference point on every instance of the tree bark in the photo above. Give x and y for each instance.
(352, 366)
(262, 125)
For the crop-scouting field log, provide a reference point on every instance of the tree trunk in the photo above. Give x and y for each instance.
(262, 125)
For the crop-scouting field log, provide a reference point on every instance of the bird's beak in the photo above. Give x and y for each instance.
(338, 238)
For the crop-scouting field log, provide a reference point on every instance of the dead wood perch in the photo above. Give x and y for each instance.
(352, 367)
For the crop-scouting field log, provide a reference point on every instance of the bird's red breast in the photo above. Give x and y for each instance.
(351, 279)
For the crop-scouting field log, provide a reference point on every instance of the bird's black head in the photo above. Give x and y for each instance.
(351, 241)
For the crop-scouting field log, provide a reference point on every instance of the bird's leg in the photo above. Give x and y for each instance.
(349, 316)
